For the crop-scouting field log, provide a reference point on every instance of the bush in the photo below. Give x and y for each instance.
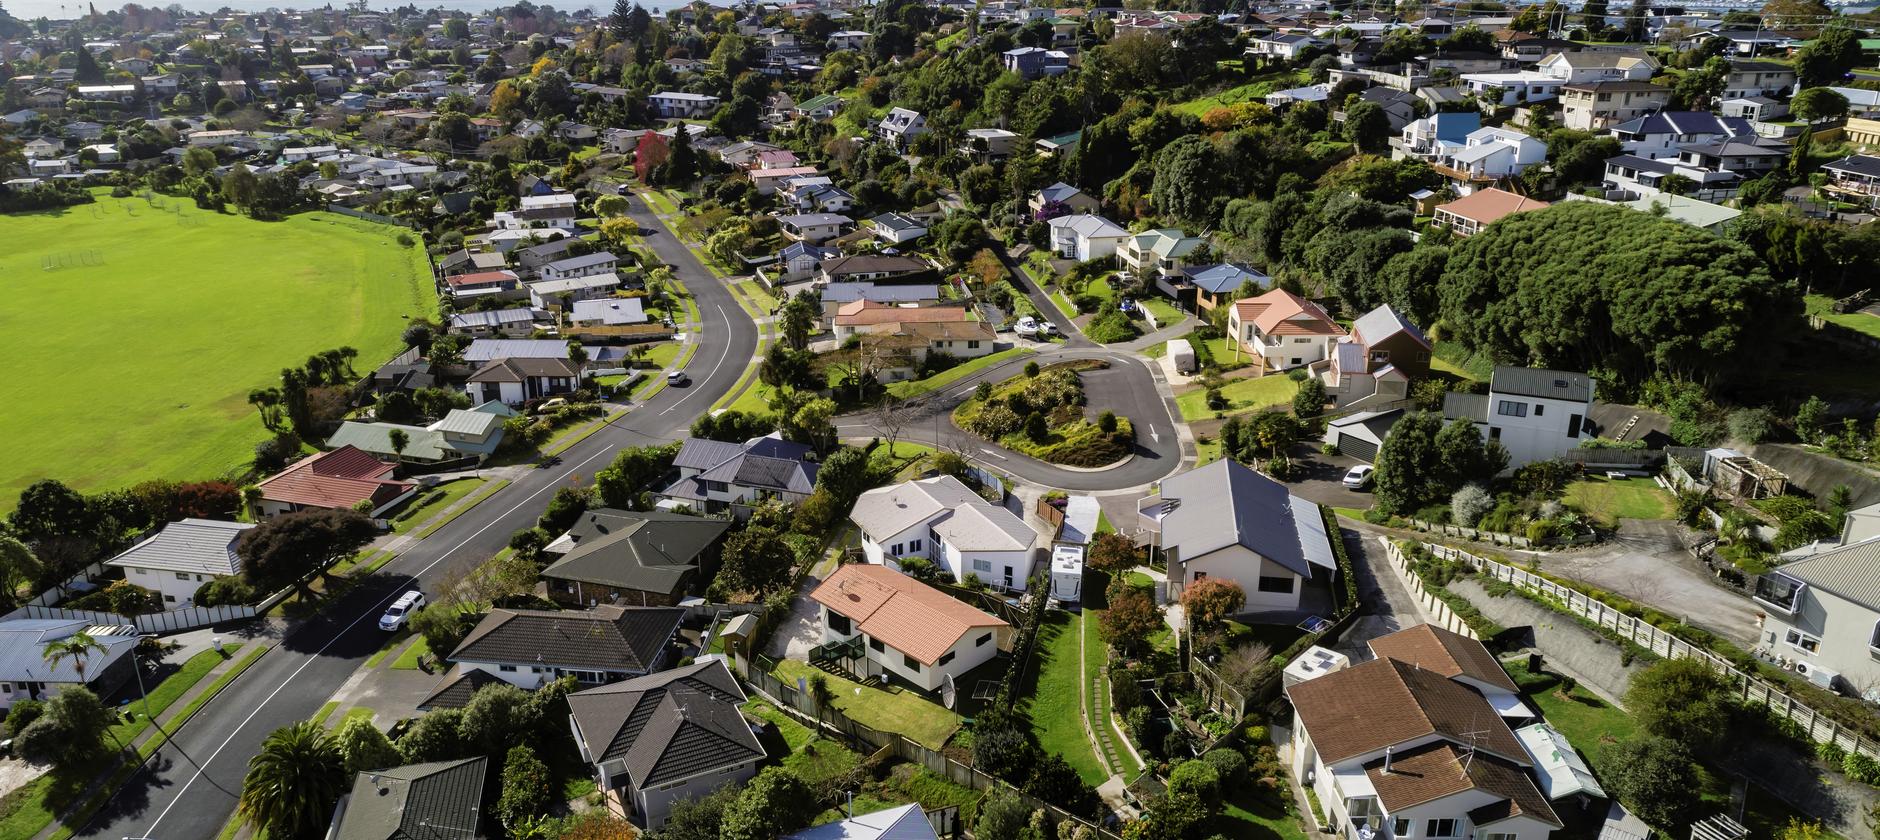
(1230, 765)
(1467, 505)
(1111, 327)
(1860, 768)
(23, 713)
(1542, 531)
(225, 590)
(1197, 779)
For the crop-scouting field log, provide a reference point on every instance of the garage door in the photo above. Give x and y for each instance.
(1362, 450)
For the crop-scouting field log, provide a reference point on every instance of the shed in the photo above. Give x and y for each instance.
(1360, 435)
(1067, 572)
(1738, 475)
(1563, 773)
(1182, 355)
(1623, 825)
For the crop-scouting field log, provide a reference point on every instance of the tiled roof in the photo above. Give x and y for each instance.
(905, 614)
(1487, 206)
(337, 479)
(867, 312)
(457, 687)
(605, 638)
(1434, 649)
(666, 726)
(1384, 702)
(886, 511)
(197, 546)
(1226, 503)
(1434, 771)
(440, 800)
(1280, 312)
(652, 551)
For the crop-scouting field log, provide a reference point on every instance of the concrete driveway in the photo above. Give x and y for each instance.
(1321, 477)
(1646, 562)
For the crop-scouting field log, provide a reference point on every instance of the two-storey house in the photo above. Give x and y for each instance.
(1536, 414)
(1282, 330)
(877, 622)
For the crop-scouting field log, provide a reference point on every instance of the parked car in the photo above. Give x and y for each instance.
(1028, 326)
(1359, 477)
(677, 378)
(401, 610)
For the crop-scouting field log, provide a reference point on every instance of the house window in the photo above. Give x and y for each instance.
(1363, 810)
(839, 623)
(982, 640)
(170, 598)
(1504, 835)
(911, 663)
(1276, 583)
(1510, 408)
(1494, 433)
(982, 565)
(507, 669)
(972, 345)
(1200, 576)
(1802, 641)
(1573, 425)
(1400, 827)
(1539, 409)
(1440, 828)
(876, 646)
(944, 658)
(913, 545)
(182, 576)
(895, 550)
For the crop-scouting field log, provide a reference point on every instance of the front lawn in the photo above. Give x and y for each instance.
(434, 501)
(1607, 501)
(1164, 311)
(1450, 357)
(898, 710)
(1051, 698)
(1860, 322)
(1253, 393)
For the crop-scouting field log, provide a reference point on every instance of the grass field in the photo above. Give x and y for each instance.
(1051, 699)
(1254, 91)
(1609, 501)
(140, 367)
(900, 710)
(1243, 395)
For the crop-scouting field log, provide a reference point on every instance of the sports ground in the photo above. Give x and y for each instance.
(131, 333)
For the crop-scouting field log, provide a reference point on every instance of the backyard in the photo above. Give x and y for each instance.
(1050, 696)
(1252, 393)
(1860, 322)
(889, 710)
(1607, 500)
(179, 316)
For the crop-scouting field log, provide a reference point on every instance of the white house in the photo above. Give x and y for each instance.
(943, 521)
(1513, 88)
(608, 643)
(514, 381)
(1823, 618)
(901, 126)
(547, 293)
(177, 560)
(896, 229)
(680, 105)
(1585, 67)
(1227, 522)
(586, 265)
(1283, 330)
(1085, 237)
(814, 228)
(26, 675)
(1153, 253)
(877, 622)
(1491, 154)
(1536, 414)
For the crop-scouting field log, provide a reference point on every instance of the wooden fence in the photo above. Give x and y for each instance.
(1748, 687)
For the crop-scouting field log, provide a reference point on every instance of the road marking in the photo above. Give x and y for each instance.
(553, 485)
(708, 376)
(1153, 436)
(993, 454)
(966, 390)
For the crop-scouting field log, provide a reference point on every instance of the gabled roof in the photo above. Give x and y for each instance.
(1542, 383)
(196, 546)
(1090, 226)
(487, 349)
(1430, 772)
(651, 551)
(1280, 312)
(1489, 205)
(950, 508)
(1384, 703)
(1851, 571)
(903, 613)
(666, 726)
(1685, 122)
(1374, 327)
(520, 369)
(23, 644)
(440, 800)
(867, 312)
(873, 264)
(1434, 649)
(1226, 503)
(583, 261)
(605, 638)
(1059, 192)
(340, 478)
(906, 822)
(457, 687)
(1224, 278)
(768, 462)
(1167, 243)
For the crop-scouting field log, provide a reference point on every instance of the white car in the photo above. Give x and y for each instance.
(1028, 326)
(401, 610)
(677, 378)
(1359, 477)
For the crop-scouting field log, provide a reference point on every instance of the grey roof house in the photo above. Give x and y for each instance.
(439, 800)
(650, 558)
(716, 476)
(25, 673)
(1226, 521)
(607, 643)
(177, 560)
(662, 738)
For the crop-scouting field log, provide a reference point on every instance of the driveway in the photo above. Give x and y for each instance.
(1322, 476)
(1646, 562)
(1388, 606)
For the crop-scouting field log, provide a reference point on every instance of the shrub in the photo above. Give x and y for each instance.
(1216, 400)
(1542, 531)
(1860, 768)
(24, 712)
(1231, 765)
(1107, 421)
(1468, 504)
(1197, 779)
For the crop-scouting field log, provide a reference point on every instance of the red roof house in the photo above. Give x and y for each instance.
(332, 480)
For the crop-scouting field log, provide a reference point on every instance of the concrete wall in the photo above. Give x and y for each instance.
(1819, 474)
(1588, 657)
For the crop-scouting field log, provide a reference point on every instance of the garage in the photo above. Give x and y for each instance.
(1360, 434)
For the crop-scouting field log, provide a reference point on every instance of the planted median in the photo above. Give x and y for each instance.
(1042, 413)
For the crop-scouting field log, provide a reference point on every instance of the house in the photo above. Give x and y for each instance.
(896, 229)
(1635, 177)
(862, 317)
(608, 643)
(1748, 158)
(1393, 748)
(900, 127)
(1227, 522)
(799, 261)
(1469, 214)
(1378, 361)
(1085, 237)
(906, 822)
(608, 312)
(1035, 62)
(988, 144)
(1823, 620)
(663, 738)
(564, 293)
(407, 371)
(500, 283)
(769, 181)
(1754, 77)
(879, 623)
(463, 433)
(651, 558)
(1154, 253)
(439, 800)
(835, 295)
(1283, 46)
(816, 195)
(944, 522)
(1066, 142)
(511, 323)
(1457, 657)
(26, 675)
(903, 346)
(1218, 283)
(1586, 67)
(1755, 109)
(1662, 134)
(586, 265)
(715, 476)
(1489, 155)
(820, 108)
(1536, 414)
(1283, 330)
(1361, 433)
(485, 350)
(847, 39)
(514, 381)
(814, 228)
(182, 556)
(680, 105)
(1061, 199)
(1598, 106)
(1436, 136)
(109, 94)
(341, 479)
(1856, 176)
(1514, 88)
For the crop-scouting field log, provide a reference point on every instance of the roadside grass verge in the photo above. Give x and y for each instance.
(473, 500)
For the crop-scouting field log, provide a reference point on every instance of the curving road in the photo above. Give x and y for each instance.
(188, 789)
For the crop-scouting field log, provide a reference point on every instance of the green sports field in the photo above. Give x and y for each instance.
(135, 359)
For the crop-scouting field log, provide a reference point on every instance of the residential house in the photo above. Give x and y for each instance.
(1513, 88)
(867, 317)
(1035, 62)
(1489, 155)
(1477, 210)
(608, 643)
(178, 559)
(1395, 749)
(798, 261)
(587, 265)
(1747, 158)
(769, 181)
(407, 371)
(482, 351)
(1598, 106)
(816, 195)
(944, 522)
(715, 477)
(1754, 109)
(1085, 237)
(1586, 67)
(122, 95)
(904, 822)
(1283, 46)
(847, 39)
(509, 323)
(900, 127)
(1822, 620)
(896, 229)
(986, 145)
(1216, 284)
(1436, 136)
(471, 434)
(901, 348)
(531, 259)
(26, 675)
(1050, 146)
(341, 479)
(664, 738)
(1752, 77)
(1460, 658)
(501, 283)
(1536, 414)
(821, 108)
(814, 228)
(1282, 330)
(439, 800)
(1634, 177)
(1661, 135)
(608, 312)
(681, 105)
(1361, 433)
(564, 293)
(649, 558)
(1226, 521)
(1378, 361)
(879, 623)
(835, 295)
(1857, 177)
(875, 268)
(1061, 199)
(514, 381)
(1154, 253)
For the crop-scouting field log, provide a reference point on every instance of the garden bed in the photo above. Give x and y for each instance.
(1015, 416)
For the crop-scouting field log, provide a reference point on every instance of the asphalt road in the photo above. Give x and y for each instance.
(189, 788)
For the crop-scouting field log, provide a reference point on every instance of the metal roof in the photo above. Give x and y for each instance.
(1226, 503)
(1541, 383)
(197, 546)
(1850, 571)
(651, 551)
(666, 726)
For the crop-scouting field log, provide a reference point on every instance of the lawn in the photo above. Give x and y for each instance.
(408, 660)
(1450, 357)
(1052, 700)
(1247, 817)
(1255, 91)
(812, 758)
(912, 388)
(1164, 311)
(1607, 501)
(176, 325)
(1859, 322)
(433, 503)
(1243, 395)
(899, 710)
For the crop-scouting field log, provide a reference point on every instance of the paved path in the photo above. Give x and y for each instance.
(1388, 606)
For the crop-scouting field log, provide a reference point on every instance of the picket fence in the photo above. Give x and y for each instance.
(1748, 687)
(1445, 617)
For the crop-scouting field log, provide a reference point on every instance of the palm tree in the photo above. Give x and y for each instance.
(268, 402)
(399, 441)
(77, 647)
(819, 691)
(293, 783)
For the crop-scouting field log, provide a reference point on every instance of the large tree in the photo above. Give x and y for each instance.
(1684, 700)
(293, 783)
(774, 804)
(286, 548)
(1405, 480)
(755, 559)
(1656, 778)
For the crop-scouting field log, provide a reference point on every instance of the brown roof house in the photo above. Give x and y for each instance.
(605, 644)
(340, 479)
(650, 558)
(1469, 214)
(515, 380)
(878, 622)
(659, 739)
(1281, 330)
(1412, 744)
(1377, 362)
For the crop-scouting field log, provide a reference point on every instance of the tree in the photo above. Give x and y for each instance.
(69, 731)
(77, 647)
(1405, 479)
(1053, 780)
(293, 783)
(497, 718)
(1131, 619)
(287, 548)
(1810, 419)
(620, 483)
(1367, 126)
(399, 440)
(1656, 778)
(1112, 552)
(527, 792)
(434, 738)
(1684, 700)
(799, 320)
(1819, 104)
(505, 99)
(1209, 601)
(755, 559)
(1462, 456)
(363, 747)
(1188, 179)
(696, 819)
(1309, 400)
(775, 803)
(1827, 58)
(18, 567)
(1003, 817)
(240, 186)
(1199, 781)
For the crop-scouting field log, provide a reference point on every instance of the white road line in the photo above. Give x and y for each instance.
(993, 454)
(708, 376)
(553, 485)
(1153, 436)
